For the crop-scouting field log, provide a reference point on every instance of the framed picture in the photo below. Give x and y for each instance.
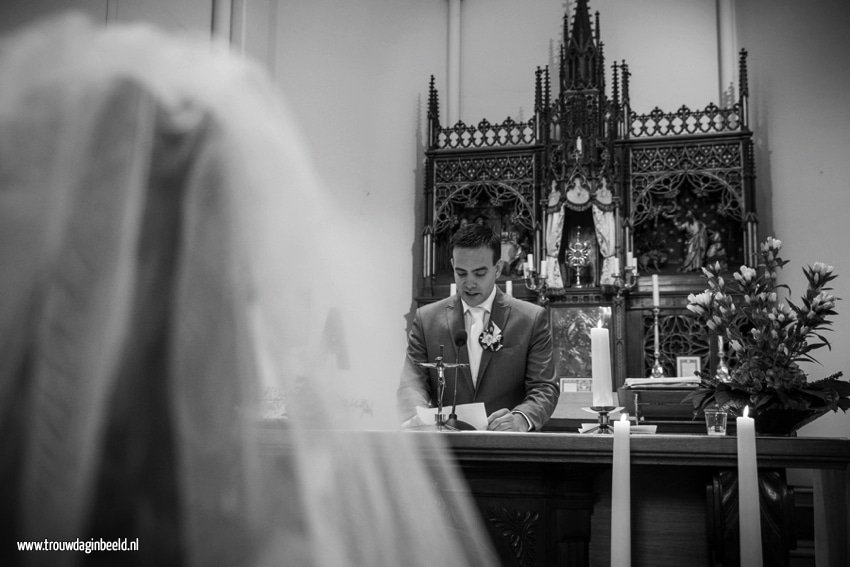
(687, 366)
(571, 326)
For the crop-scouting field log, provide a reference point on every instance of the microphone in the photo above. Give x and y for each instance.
(453, 422)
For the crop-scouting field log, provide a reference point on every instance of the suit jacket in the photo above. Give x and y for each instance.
(520, 376)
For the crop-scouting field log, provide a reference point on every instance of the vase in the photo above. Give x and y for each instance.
(785, 422)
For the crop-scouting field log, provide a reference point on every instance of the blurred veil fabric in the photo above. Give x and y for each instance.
(154, 194)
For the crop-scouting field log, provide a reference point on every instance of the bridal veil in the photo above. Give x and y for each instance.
(168, 257)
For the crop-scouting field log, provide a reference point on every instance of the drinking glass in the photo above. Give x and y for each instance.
(715, 421)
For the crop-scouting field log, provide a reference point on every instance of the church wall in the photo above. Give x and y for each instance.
(356, 74)
(799, 80)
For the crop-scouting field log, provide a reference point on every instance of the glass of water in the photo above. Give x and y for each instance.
(715, 421)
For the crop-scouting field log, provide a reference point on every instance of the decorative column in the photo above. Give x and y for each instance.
(453, 99)
(222, 20)
(111, 11)
(727, 51)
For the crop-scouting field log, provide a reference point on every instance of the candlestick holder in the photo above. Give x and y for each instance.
(657, 369)
(604, 423)
(536, 282)
(722, 373)
(624, 282)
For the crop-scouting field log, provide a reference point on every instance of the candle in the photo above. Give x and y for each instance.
(601, 368)
(656, 299)
(509, 287)
(656, 344)
(543, 265)
(530, 261)
(426, 255)
(749, 513)
(615, 265)
(621, 495)
(578, 144)
(452, 290)
(630, 261)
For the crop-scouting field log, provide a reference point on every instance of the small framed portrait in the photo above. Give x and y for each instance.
(687, 366)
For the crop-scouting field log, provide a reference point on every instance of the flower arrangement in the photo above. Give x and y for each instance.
(767, 339)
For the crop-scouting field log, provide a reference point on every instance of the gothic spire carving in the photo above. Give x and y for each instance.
(581, 56)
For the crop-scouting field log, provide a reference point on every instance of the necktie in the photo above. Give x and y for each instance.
(472, 344)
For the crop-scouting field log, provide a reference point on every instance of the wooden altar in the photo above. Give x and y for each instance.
(606, 195)
(546, 498)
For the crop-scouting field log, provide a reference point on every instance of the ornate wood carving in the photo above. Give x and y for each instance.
(486, 135)
(518, 528)
(679, 335)
(777, 507)
(675, 190)
(464, 184)
(711, 119)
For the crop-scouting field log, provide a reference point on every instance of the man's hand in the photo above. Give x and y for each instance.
(504, 420)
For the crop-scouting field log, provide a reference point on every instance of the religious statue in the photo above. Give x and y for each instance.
(696, 242)
(512, 252)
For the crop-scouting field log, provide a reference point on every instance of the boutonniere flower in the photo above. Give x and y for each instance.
(491, 338)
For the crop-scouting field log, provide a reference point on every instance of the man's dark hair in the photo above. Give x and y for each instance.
(476, 235)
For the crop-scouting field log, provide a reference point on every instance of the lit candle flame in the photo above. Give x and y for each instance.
(746, 411)
(624, 417)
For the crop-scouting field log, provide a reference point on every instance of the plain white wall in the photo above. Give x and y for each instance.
(357, 75)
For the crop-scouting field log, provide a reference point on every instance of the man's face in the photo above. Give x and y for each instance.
(475, 273)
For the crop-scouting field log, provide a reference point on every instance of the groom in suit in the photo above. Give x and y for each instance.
(508, 348)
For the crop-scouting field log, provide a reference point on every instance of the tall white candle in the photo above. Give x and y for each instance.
(601, 368)
(530, 261)
(656, 345)
(656, 299)
(452, 290)
(509, 287)
(630, 261)
(621, 495)
(749, 512)
(426, 255)
(543, 266)
(615, 265)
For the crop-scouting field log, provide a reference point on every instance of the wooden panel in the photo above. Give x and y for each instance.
(546, 497)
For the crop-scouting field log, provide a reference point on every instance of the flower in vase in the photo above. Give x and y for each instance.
(768, 338)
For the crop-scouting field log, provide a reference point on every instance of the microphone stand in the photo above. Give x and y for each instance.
(454, 423)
